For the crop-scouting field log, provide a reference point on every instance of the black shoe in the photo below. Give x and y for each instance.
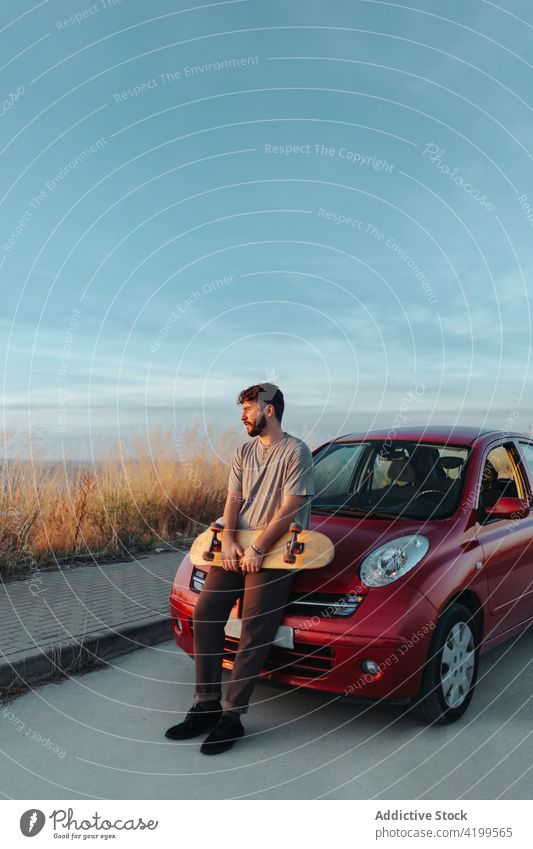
(223, 735)
(198, 721)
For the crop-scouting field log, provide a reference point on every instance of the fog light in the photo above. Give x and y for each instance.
(370, 666)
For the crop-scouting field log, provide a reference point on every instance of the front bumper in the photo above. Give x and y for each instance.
(392, 627)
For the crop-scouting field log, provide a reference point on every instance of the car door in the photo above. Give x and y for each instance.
(507, 544)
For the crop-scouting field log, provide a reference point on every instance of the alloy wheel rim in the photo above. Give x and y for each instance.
(457, 664)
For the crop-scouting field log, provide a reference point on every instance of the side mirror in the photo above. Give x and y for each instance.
(508, 508)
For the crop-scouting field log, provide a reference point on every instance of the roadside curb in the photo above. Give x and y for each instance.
(71, 656)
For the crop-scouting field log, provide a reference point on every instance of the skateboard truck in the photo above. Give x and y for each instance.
(215, 545)
(293, 546)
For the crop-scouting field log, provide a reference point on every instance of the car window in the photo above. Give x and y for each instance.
(391, 477)
(333, 471)
(500, 476)
(527, 454)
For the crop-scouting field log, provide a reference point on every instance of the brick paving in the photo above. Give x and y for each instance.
(83, 606)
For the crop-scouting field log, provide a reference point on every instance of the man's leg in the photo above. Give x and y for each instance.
(265, 597)
(218, 595)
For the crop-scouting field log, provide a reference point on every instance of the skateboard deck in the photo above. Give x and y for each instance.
(297, 549)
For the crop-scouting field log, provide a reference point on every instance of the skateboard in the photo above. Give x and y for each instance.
(297, 549)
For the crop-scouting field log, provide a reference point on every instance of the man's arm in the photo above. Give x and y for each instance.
(279, 524)
(231, 550)
(231, 514)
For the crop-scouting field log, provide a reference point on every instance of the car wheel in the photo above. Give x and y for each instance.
(450, 672)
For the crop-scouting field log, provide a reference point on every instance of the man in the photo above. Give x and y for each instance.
(270, 486)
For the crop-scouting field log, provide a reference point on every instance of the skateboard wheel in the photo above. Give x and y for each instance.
(295, 528)
(215, 526)
(208, 555)
(289, 558)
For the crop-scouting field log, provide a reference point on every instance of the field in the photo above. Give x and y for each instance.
(166, 485)
(156, 489)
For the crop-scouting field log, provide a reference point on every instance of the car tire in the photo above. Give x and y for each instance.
(450, 672)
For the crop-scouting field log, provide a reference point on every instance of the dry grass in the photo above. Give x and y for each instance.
(165, 486)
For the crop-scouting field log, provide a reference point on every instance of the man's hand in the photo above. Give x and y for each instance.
(231, 554)
(251, 562)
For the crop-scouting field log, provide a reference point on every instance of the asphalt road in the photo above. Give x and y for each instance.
(101, 735)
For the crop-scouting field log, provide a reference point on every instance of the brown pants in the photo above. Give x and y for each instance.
(265, 594)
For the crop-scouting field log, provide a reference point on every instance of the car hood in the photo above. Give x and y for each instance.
(354, 538)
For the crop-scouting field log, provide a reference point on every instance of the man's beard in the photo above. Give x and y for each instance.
(258, 427)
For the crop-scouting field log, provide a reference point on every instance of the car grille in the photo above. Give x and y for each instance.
(304, 660)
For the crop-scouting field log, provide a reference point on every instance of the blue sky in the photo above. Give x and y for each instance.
(335, 196)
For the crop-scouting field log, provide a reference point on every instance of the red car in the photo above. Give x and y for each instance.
(433, 565)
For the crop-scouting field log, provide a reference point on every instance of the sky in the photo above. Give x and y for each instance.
(195, 197)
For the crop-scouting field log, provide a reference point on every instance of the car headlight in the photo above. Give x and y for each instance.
(392, 560)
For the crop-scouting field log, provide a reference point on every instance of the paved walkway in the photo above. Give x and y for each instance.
(60, 621)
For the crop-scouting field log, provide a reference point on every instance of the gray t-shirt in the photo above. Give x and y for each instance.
(264, 477)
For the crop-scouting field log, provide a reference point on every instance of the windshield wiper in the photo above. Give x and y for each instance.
(340, 510)
(367, 514)
(325, 509)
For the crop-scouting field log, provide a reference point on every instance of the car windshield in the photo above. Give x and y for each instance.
(381, 479)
